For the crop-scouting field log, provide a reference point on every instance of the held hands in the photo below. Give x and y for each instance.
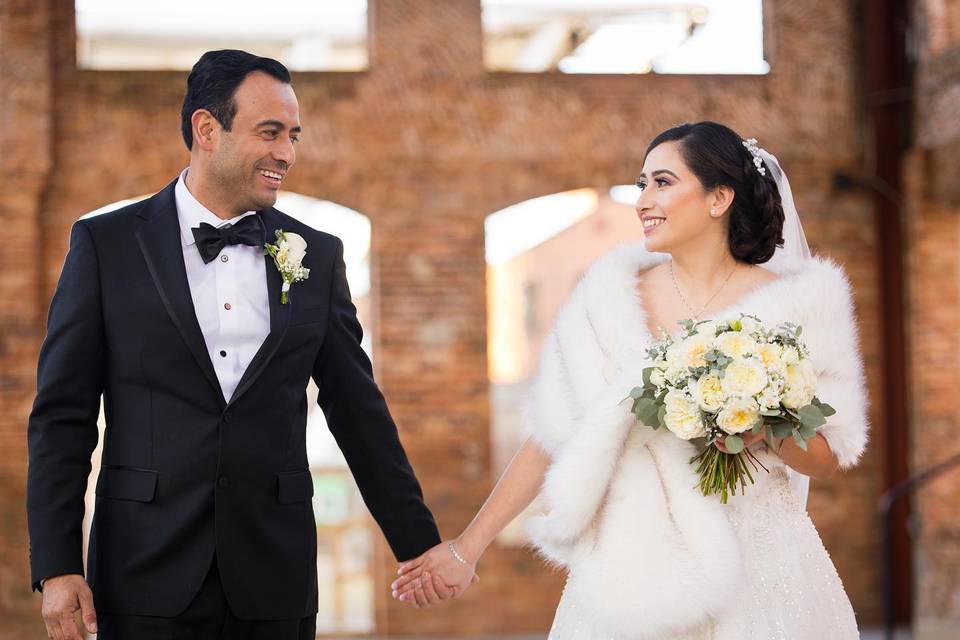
(63, 596)
(434, 576)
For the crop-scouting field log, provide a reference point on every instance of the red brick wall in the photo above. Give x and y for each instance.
(427, 144)
(932, 198)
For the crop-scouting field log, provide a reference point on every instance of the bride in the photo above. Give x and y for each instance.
(648, 556)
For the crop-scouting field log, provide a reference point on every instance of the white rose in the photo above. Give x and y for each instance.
(801, 385)
(790, 355)
(296, 247)
(708, 392)
(740, 414)
(744, 377)
(736, 344)
(657, 378)
(769, 398)
(707, 328)
(682, 416)
(674, 368)
(748, 325)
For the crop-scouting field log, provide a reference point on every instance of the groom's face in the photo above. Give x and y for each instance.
(252, 159)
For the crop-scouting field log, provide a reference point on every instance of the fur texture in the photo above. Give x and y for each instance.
(624, 516)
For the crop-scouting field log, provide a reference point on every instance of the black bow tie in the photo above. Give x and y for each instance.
(211, 240)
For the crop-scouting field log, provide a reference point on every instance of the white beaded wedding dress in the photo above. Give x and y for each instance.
(790, 591)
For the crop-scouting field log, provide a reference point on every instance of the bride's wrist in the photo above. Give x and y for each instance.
(467, 549)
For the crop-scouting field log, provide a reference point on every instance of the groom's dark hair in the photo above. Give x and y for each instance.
(213, 81)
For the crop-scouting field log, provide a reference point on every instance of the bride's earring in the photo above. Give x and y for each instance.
(713, 212)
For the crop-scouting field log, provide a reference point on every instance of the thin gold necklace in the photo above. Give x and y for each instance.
(696, 316)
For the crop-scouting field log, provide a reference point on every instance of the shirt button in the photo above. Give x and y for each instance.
(224, 258)
(223, 482)
(227, 306)
(223, 354)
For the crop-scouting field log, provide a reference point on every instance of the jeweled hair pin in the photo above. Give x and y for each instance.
(751, 145)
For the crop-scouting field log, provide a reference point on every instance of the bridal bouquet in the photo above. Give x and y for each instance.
(724, 378)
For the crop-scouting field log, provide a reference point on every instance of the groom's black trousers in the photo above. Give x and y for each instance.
(208, 617)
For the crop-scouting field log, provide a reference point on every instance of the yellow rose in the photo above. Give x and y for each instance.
(740, 414)
(736, 344)
(744, 377)
(682, 416)
(708, 392)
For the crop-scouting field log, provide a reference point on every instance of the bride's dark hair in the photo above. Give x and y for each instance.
(716, 155)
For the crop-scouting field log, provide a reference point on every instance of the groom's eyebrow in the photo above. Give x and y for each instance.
(279, 125)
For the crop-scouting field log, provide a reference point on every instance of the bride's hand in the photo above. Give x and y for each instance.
(436, 575)
(748, 439)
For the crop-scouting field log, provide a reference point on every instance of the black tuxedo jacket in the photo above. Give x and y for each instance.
(186, 474)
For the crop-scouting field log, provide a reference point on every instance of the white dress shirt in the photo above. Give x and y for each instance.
(229, 294)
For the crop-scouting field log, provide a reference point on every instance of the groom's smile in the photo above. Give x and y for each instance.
(255, 154)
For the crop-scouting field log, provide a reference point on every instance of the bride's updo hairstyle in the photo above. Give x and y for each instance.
(716, 155)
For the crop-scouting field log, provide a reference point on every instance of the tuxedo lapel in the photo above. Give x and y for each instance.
(279, 313)
(159, 239)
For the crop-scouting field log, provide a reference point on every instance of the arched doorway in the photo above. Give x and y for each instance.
(536, 252)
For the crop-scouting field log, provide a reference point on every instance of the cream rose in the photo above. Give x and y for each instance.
(801, 385)
(769, 354)
(708, 392)
(682, 416)
(740, 414)
(736, 344)
(744, 377)
(693, 349)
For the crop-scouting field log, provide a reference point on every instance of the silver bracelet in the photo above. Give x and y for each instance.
(456, 555)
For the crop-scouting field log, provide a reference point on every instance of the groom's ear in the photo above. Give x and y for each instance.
(204, 128)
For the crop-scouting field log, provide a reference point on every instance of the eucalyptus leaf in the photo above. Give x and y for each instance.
(799, 440)
(646, 376)
(782, 429)
(734, 444)
(636, 392)
(811, 416)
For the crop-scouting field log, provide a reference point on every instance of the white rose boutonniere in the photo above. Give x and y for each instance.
(288, 253)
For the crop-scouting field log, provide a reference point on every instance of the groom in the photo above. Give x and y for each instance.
(204, 525)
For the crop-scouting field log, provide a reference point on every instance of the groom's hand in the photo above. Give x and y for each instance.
(63, 596)
(434, 576)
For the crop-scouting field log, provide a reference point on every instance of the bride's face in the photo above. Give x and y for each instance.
(673, 206)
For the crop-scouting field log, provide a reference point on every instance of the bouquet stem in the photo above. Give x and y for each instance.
(721, 473)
